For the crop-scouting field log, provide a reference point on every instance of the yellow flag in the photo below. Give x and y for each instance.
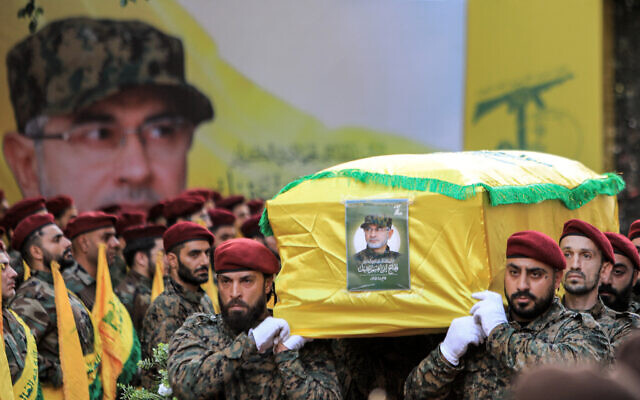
(27, 270)
(6, 388)
(157, 286)
(74, 375)
(212, 291)
(120, 345)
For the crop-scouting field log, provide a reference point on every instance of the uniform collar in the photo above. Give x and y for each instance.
(139, 277)
(555, 312)
(45, 276)
(192, 297)
(83, 275)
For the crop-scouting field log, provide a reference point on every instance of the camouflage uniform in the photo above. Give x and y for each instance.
(616, 325)
(634, 307)
(207, 360)
(117, 270)
(81, 283)
(15, 343)
(486, 371)
(166, 314)
(135, 293)
(34, 303)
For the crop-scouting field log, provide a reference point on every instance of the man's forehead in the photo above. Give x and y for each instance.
(196, 245)
(51, 230)
(577, 242)
(527, 263)
(622, 259)
(4, 257)
(239, 274)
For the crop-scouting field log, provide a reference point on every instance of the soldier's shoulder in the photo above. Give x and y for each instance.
(582, 318)
(200, 321)
(32, 288)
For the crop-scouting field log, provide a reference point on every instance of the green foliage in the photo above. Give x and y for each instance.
(159, 362)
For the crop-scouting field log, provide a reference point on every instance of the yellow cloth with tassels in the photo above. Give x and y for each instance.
(26, 387)
(27, 271)
(75, 377)
(119, 340)
(5, 374)
(212, 291)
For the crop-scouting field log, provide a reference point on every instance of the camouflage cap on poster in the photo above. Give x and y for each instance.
(378, 220)
(72, 63)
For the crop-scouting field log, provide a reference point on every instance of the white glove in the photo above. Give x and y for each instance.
(269, 330)
(296, 342)
(462, 332)
(164, 390)
(489, 311)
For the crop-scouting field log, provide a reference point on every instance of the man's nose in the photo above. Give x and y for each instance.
(574, 263)
(523, 282)
(605, 276)
(235, 290)
(134, 163)
(114, 242)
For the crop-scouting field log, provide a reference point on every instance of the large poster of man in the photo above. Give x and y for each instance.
(130, 105)
(377, 245)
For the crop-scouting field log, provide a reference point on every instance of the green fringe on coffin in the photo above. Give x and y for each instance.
(130, 367)
(574, 198)
(95, 389)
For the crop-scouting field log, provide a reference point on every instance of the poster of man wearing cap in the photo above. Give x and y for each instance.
(377, 245)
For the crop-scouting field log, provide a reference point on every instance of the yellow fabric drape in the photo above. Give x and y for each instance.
(114, 326)
(26, 387)
(74, 375)
(212, 291)
(27, 270)
(157, 286)
(5, 374)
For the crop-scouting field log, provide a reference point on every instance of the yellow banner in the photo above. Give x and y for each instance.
(535, 77)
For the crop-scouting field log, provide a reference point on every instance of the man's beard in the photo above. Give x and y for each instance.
(187, 276)
(65, 259)
(584, 288)
(540, 305)
(621, 298)
(239, 321)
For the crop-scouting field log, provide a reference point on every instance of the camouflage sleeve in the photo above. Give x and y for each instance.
(577, 341)
(310, 373)
(432, 378)
(197, 367)
(36, 317)
(624, 326)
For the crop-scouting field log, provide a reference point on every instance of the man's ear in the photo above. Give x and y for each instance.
(19, 152)
(140, 258)
(557, 278)
(35, 252)
(172, 259)
(606, 268)
(635, 277)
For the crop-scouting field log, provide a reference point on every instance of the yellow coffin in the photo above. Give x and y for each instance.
(462, 207)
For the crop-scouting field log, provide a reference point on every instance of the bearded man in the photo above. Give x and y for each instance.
(188, 247)
(244, 353)
(536, 330)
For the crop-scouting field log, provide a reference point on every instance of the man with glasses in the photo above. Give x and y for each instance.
(377, 232)
(103, 111)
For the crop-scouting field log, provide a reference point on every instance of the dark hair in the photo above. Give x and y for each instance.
(176, 249)
(143, 244)
(34, 239)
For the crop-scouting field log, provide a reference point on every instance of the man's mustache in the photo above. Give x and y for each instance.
(522, 293)
(607, 288)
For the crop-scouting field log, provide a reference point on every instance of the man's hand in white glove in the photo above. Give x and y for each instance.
(294, 342)
(489, 311)
(269, 331)
(462, 332)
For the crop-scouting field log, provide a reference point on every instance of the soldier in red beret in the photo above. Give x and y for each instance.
(238, 206)
(537, 329)
(616, 284)
(187, 246)
(62, 208)
(208, 195)
(41, 241)
(590, 257)
(186, 207)
(222, 225)
(245, 352)
(86, 232)
(144, 245)
(634, 236)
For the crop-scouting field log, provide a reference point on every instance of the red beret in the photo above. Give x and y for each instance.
(634, 230)
(184, 232)
(143, 231)
(581, 228)
(29, 225)
(230, 202)
(183, 205)
(113, 209)
(538, 246)
(216, 196)
(87, 222)
(221, 217)
(127, 219)
(59, 204)
(21, 210)
(251, 227)
(206, 193)
(242, 254)
(255, 205)
(156, 211)
(621, 244)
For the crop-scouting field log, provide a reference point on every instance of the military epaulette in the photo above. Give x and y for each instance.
(588, 320)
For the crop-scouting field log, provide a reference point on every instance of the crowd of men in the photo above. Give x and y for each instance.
(230, 346)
